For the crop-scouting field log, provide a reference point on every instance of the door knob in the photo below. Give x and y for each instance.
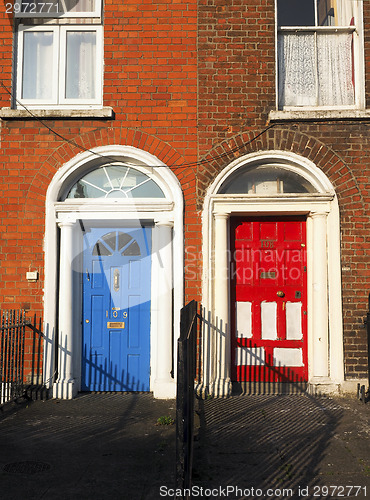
(280, 293)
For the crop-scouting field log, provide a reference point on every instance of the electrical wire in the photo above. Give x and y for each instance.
(83, 148)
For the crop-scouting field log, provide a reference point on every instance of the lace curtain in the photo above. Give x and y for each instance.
(81, 65)
(315, 69)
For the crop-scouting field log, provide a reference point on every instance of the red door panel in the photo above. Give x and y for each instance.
(269, 299)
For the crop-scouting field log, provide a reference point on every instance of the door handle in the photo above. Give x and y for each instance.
(280, 293)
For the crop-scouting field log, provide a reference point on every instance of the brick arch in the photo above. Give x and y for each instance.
(277, 138)
(36, 194)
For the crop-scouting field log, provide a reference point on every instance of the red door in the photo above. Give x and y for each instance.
(269, 299)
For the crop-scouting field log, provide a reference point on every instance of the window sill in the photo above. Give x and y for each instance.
(318, 115)
(22, 114)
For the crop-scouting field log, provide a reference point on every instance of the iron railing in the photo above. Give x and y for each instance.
(186, 368)
(20, 356)
(362, 393)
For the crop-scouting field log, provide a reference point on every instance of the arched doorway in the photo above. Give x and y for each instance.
(266, 215)
(113, 280)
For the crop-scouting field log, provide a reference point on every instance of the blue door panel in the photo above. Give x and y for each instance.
(97, 275)
(134, 274)
(134, 324)
(116, 311)
(97, 311)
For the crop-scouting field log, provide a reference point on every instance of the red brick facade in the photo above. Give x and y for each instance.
(236, 92)
(192, 85)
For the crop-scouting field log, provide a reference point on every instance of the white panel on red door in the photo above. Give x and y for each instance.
(286, 356)
(243, 320)
(268, 320)
(294, 321)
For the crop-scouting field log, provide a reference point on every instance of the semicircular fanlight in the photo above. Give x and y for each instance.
(115, 181)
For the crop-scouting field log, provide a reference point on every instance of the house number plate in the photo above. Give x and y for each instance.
(116, 324)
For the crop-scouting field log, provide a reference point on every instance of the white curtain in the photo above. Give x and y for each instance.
(37, 65)
(81, 65)
(297, 80)
(315, 77)
(334, 56)
(346, 12)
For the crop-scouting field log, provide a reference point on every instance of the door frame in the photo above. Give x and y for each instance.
(63, 251)
(325, 366)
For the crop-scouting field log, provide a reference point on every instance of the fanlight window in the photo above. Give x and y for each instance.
(266, 180)
(116, 241)
(115, 181)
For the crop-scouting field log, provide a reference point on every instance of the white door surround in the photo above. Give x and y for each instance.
(325, 331)
(65, 222)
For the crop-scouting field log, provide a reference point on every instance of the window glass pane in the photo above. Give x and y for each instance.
(132, 250)
(266, 180)
(100, 249)
(39, 6)
(77, 5)
(80, 65)
(123, 240)
(148, 190)
(296, 12)
(37, 65)
(54, 6)
(336, 12)
(325, 13)
(110, 239)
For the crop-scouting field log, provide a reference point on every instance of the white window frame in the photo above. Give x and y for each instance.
(43, 12)
(57, 78)
(358, 56)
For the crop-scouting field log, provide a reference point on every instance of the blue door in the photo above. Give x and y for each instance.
(116, 309)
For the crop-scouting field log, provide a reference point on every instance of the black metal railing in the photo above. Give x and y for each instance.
(186, 368)
(20, 355)
(362, 393)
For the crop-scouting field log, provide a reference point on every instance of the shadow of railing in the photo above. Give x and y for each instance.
(108, 376)
(220, 373)
(263, 375)
(265, 441)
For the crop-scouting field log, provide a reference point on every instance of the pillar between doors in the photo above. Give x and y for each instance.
(221, 385)
(65, 386)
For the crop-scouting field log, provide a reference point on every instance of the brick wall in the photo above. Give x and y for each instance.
(185, 86)
(150, 80)
(236, 92)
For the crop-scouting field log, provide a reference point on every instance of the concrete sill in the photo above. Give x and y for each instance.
(319, 115)
(22, 114)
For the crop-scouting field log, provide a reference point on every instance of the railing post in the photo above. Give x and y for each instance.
(185, 396)
(368, 344)
(12, 355)
(362, 394)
